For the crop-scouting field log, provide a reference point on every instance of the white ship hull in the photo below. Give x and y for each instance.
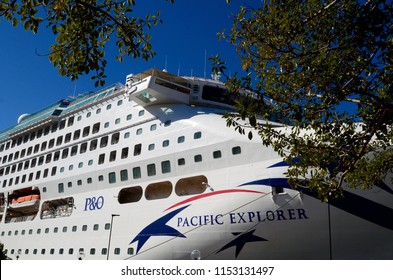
(160, 179)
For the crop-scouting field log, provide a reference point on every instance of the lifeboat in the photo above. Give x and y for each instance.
(24, 198)
(25, 201)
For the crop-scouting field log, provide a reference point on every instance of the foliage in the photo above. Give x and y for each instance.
(3, 256)
(327, 67)
(82, 28)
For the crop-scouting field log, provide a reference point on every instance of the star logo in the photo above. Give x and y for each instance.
(241, 240)
(158, 228)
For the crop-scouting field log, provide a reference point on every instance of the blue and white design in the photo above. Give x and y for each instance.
(149, 170)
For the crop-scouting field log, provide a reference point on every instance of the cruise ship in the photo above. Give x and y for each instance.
(149, 170)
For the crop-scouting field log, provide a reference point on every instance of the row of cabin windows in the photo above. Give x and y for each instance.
(54, 230)
(53, 128)
(55, 141)
(30, 177)
(70, 251)
(151, 169)
(92, 145)
(61, 154)
(136, 171)
(51, 143)
(83, 148)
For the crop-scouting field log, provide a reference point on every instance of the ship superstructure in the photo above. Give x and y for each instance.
(149, 170)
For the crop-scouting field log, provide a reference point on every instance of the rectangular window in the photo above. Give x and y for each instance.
(83, 148)
(43, 146)
(236, 150)
(136, 173)
(101, 159)
(217, 154)
(70, 121)
(124, 175)
(51, 143)
(41, 160)
(77, 134)
(96, 128)
(124, 153)
(67, 138)
(59, 140)
(74, 150)
(62, 125)
(86, 131)
(65, 153)
(137, 149)
(61, 187)
(104, 142)
(112, 156)
(48, 158)
(56, 156)
(151, 169)
(198, 158)
(197, 135)
(112, 177)
(181, 139)
(93, 145)
(115, 138)
(166, 166)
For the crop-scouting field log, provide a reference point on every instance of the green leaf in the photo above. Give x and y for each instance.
(14, 22)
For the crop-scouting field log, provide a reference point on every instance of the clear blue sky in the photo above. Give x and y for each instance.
(29, 82)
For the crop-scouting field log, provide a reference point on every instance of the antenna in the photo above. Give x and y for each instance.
(166, 63)
(178, 70)
(204, 73)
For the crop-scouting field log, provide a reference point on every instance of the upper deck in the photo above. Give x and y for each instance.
(148, 88)
(159, 87)
(57, 111)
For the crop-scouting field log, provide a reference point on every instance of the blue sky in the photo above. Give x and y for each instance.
(29, 82)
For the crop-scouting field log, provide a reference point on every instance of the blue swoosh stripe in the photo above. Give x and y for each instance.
(351, 203)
